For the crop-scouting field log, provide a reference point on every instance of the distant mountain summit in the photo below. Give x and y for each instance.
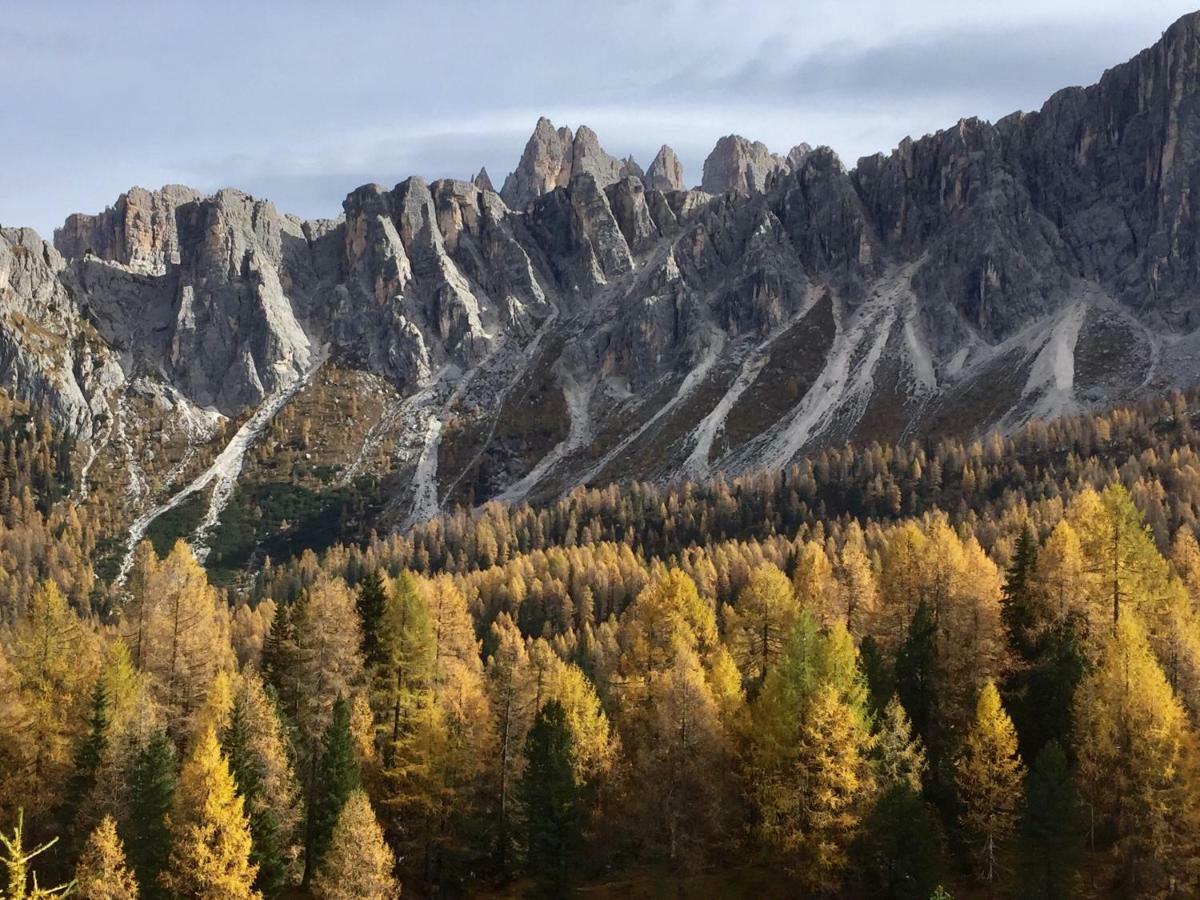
(593, 321)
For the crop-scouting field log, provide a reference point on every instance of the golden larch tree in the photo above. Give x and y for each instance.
(358, 864)
(757, 625)
(102, 872)
(989, 777)
(837, 785)
(1136, 753)
(178, 631)
(52, 662)
(210, 852)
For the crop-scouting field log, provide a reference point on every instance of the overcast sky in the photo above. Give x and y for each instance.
(301, 101)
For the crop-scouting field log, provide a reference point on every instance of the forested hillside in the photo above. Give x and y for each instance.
(971, 668)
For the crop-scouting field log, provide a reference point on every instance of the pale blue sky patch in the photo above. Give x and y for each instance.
(301, 101)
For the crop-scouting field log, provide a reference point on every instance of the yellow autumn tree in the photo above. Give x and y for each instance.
(123, 687)
(512, 698)
(725, 682)
(52, 665)
(1135, 753)
(20, 882)
(1123, 567)
(1185, 560)
(837, 780)
(453, 631)
(907, 562)
(814, 584)
(218, 703)
(666, 614)
(178, 631)
(102, 872)
(810, 771)
(551, 678)
(210, 835)
(327, 664)
(900, 754)
(13, 744)
(964, 589)
(677, 753)
(856, 587)
(1060, 572)
(259, 756)
(358, 864)
(988, 775)
(444, 733)
(757, 625)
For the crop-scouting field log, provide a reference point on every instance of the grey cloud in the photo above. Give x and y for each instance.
(994, 67)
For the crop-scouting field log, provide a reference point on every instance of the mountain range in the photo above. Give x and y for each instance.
(593, 321)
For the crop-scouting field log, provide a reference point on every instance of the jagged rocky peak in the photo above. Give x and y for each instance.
(216, 318)
(631, 169)
(138, 231)
(665, 172)
(552, 157)
(588, 156)
(627, 198)
(797, 155)
(545, 165)
(236, 336)
(739, 166)
(483, 181)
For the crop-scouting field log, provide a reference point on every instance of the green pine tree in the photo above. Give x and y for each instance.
(88, 756)
(336, 778)
(372, 596)
(901, 848)
(881, 682)
(281, 659)
(91, 750)
(551, 796)
(1050, 828)
(1019, 608)
(916, 675)
(1043, 694)
(267, 851)
(144, 831)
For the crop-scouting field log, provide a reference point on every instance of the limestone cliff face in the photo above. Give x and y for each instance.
(593, 321)
(138, 231)
(49, 355)
(197, 295)
(1111, 167)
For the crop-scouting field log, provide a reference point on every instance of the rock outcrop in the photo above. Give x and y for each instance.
(553, 156)
(665, 172)
(739, 166)
(483, 181)
(545, 165)
(203, 301)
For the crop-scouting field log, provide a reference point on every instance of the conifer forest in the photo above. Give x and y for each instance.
(911, 670)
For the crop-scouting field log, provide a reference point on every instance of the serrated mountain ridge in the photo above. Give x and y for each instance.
(593, 321)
